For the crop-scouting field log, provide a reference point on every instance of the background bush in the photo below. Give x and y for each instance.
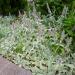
(55, 5)
(12, 6)
(69, 27)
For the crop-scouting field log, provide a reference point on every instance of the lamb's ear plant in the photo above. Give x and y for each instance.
(45, 50)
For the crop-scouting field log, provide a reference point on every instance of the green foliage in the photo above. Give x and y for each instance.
(42, 6)
(4, 23)
(4, 6)
(69, 27)
(33, 45)
(12, 6)
(70, 23)
(56, 6)
(42, 45)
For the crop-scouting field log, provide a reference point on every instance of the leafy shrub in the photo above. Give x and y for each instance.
(33, 45)
(12, 6)
(69, 27)
(69, 24)
(4, 23)
(56, 6)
